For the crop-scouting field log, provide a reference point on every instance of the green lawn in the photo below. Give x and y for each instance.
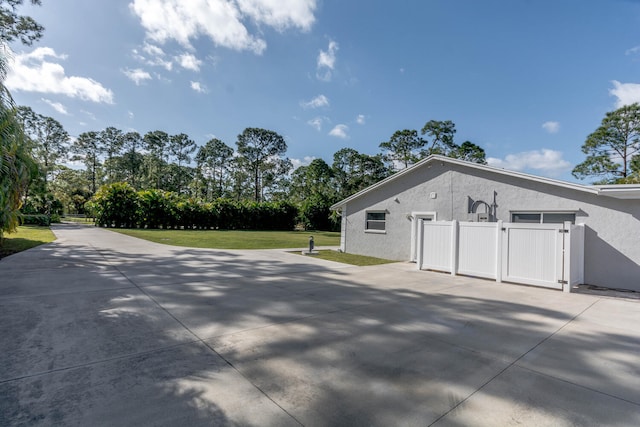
(235, 239)
(27, 237)
(79, 220)
(352, 259)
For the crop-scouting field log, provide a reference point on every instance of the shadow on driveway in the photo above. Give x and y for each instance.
(100, 328)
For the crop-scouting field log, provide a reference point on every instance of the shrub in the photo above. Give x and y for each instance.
(316, 215)
(158, 208)
(284, 216)
(227, 212)
(116, 205)
(35, 219)
(190, 214)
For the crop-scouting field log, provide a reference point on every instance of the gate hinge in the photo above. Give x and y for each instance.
(563, 282)
(563, 231)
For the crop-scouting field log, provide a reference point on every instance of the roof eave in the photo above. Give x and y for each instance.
(620, 191)
(577, 187)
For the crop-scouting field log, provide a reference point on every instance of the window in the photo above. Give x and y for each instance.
(376, 222)
(533, 218)
(558, 218)
(543, 217)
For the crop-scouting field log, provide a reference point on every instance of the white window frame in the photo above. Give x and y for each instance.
(542, 213)
(384, 221)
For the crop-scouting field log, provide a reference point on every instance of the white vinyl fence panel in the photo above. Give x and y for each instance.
(478, 249)
(436, 247)
(533, 254)
(549, 255)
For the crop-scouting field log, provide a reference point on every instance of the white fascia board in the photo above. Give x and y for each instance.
(435, 158)
(619, 191)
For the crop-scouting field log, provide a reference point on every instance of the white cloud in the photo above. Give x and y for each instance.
(545, 161)
(130, 115)
(213, 60)
(627, 93)
(340, 131)
(316, 123)
(33, 72)
(41, 53)
(89, 114)
(198, 87)
(327, 61)
(551, 127)
(361, 119)
(56, 106)
(162, 78)
(157, 56)
(220, 20)
(280, 14)
(632, 51)
(317, 102)
(304, 162)
(152, 49)
(189, 61)
(137, 75)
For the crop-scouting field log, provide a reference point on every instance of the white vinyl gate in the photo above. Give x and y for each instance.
(549, 255)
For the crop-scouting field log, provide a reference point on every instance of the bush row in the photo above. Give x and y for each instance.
(120, 205)
(315, 214)
(35, 219)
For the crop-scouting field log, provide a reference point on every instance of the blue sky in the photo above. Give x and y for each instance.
(526, 80)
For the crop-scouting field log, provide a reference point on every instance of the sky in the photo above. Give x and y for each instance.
(526, 80)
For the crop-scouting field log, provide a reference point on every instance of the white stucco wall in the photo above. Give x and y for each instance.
(612, 235)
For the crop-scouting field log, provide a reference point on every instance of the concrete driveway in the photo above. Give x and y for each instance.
(99, 329)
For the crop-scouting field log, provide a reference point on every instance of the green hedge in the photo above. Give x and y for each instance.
(119, 205)
(315, 214)
(35, 219)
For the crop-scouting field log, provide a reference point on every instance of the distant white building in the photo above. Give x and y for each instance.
(382, 220)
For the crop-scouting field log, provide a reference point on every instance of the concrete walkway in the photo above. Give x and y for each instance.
(101, 329)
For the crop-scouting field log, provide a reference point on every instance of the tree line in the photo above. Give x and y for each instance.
(257, 168)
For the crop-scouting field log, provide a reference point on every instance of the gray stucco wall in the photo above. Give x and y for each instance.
(612, 226)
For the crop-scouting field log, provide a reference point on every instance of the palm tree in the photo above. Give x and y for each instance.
(15, 163)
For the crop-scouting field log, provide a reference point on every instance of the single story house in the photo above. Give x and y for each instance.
(382, 220)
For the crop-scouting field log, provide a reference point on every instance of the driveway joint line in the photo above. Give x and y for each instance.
(578, 385)
(74, 292)
(198, 339)
(264, 393)
(453, 408)
(101, 361)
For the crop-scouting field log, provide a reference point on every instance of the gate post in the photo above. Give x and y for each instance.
(566, 257)
(420, 243)
(454, 247)
(499, 251)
